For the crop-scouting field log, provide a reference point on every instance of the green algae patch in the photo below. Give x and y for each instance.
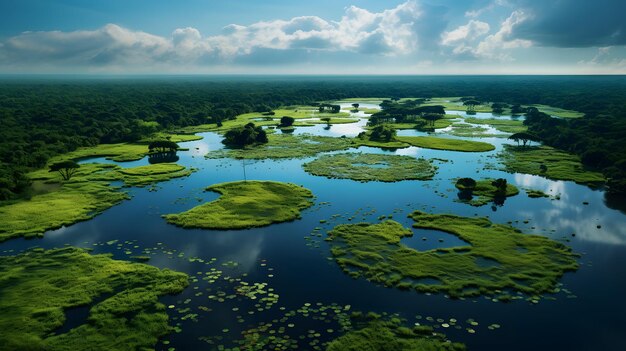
(371, 167)
(428, 142)
(286, 146)
(485, 192)
(503, 125)
(38, 287)
(246, 205)
(519, 262)
(383, 335)
(548, 162)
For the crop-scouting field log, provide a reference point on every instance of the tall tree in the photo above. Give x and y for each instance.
(66, 168)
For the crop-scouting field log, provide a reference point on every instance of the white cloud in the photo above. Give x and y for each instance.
(390, 32)
(493, 46)
(472, 30)
(490, 7)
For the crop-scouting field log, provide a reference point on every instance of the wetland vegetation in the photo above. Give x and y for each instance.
(517, 262)
(371, 167)
(372, 176)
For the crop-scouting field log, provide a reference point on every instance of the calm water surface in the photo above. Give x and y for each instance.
(590, 316)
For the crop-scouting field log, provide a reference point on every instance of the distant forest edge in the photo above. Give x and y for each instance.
(40, 118)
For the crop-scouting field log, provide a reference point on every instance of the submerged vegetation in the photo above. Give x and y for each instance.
(548, 162)
(39, 287)
(246, 205)
(371, 167)
(516, 262)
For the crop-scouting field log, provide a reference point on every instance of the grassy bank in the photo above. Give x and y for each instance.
(87, 194)
(548, 162)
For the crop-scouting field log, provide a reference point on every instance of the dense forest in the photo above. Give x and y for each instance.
(40, 117)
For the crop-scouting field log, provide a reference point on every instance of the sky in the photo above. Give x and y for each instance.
(413, 37)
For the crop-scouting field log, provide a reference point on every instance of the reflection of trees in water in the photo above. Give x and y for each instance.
(465, 195)
(163, 157)
(498, 201)
(615, 202)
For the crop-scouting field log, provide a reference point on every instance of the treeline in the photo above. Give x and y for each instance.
(599, 140)
(40, 118)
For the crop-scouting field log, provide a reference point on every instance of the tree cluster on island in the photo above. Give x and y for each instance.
(244, 136)
(408, 111)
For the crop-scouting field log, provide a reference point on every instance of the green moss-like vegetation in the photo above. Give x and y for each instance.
(38, 287)
(86, 195)
(526, 263)
(548, 162)
(485, 192)
(371, 167)
(532, 193)
(428, 142)
(145, 175)
(503, 125)
(286, 146)
(381, 335)
(246, 205)
(471, 131)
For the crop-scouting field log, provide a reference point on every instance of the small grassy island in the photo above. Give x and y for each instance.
(38, 287)
(499, 259)
(246, 205)
(371, 167)
(449, 144)
(484, 191)
(548, 162)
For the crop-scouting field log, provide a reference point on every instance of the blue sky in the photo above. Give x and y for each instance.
(313, 37)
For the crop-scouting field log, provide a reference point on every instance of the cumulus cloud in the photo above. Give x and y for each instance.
(573, 23)
(398, 31)
(469, 41)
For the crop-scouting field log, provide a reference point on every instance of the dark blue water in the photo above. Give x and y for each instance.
(588, 314)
